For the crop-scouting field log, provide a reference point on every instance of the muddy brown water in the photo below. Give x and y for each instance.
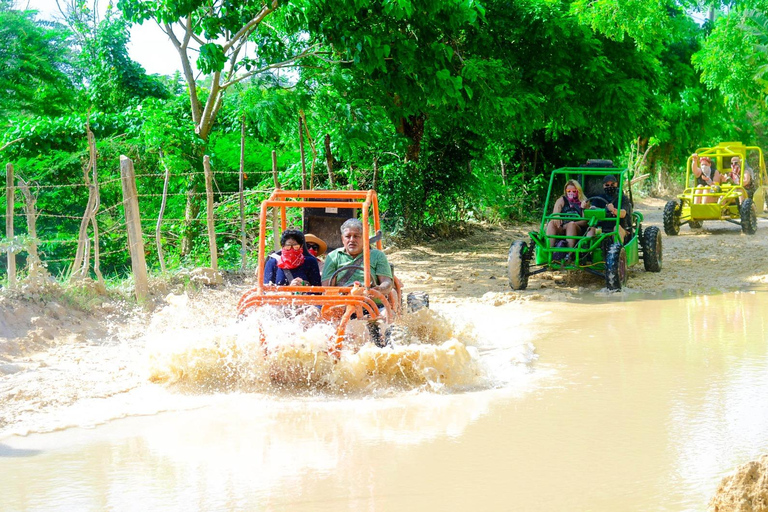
(562, 397)
(627, 402)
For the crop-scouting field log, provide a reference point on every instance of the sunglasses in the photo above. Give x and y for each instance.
(313, 246)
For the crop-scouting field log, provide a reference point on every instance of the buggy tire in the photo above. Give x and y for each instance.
(652, 249)
(616, 267)
(748, 217)
(695, 224)
(417, 301)
(672, 217)
(380, 339)
(518, 261)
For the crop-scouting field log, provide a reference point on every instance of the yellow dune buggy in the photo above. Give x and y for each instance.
(730, 201)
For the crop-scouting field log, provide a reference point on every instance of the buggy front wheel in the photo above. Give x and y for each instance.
(616, 267)
(671, 217)
(518, 261)
(748, 217)
(652, 249)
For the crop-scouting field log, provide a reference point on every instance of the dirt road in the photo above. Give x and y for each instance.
(715, 258)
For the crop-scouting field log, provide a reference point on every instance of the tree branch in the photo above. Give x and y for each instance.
(285, 64)
(186, 66)
(248, 27)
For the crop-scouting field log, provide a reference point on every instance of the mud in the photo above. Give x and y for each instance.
(745, 490)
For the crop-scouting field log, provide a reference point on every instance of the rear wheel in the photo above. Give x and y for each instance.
(616, 267)
(417, 301)
(672, 217)
(695, 224)
(652, 249)
(748, 217)
(518, 261)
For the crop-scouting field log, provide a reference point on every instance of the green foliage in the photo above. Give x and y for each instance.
(35, 62)
(455, 110)
(113, 81)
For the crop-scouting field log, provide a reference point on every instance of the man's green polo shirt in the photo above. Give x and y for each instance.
(338, 258)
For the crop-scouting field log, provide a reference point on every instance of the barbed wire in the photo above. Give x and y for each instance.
(202, 173)
(116, 234)
(70, 185)
(101, 254)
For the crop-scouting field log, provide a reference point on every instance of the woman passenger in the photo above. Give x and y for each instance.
(569, 202)
(706, 176)
(293, 265)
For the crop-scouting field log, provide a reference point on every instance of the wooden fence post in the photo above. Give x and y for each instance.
(275, 230)
(209, 212)
(303, 162)
(133, 226)
(158, 242)
(9, 214)
(312, 146)
(243, 244)
(329, 159)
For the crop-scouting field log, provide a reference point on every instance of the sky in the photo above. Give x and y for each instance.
(149, 46)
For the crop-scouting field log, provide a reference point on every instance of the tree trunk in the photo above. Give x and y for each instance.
(34, 265)
(413, 128)
(191, 212)
(329, 159)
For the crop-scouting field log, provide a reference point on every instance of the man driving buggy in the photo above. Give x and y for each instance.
(610, 197)
(351, 254)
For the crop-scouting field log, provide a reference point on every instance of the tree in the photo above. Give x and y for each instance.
(35, 64)
(111, 79)
(219, 32)
(403, 56)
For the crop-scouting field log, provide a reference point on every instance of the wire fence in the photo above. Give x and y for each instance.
(68, 231)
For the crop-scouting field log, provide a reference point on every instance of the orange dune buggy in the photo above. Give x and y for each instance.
(323, 212)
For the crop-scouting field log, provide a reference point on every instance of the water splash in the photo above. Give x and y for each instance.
(275, 348)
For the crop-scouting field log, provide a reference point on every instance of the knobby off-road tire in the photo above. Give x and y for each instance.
(695, 224)
(748, 217)
(417, 301)
(616, 267)
(518, 262)
(672, 217)
(652, 249)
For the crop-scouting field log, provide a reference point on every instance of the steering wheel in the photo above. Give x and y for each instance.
(332, 280)
(598, 198)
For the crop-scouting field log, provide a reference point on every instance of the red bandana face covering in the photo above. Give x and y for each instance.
(291, 258)
(313, 252)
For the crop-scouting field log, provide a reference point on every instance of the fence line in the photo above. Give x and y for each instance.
(110, 237)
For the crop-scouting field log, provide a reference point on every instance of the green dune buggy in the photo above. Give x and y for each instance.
(730, 201)
(604, 253)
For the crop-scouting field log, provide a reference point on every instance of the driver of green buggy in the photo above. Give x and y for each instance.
(351, 254)
(570, 202)
(609, 198)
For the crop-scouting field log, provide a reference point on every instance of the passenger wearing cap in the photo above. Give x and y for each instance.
(610, 196)
(293, 264)
(316, 247)
(746, 178)
(707, 177)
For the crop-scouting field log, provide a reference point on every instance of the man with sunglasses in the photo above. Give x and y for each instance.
(351, 254)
